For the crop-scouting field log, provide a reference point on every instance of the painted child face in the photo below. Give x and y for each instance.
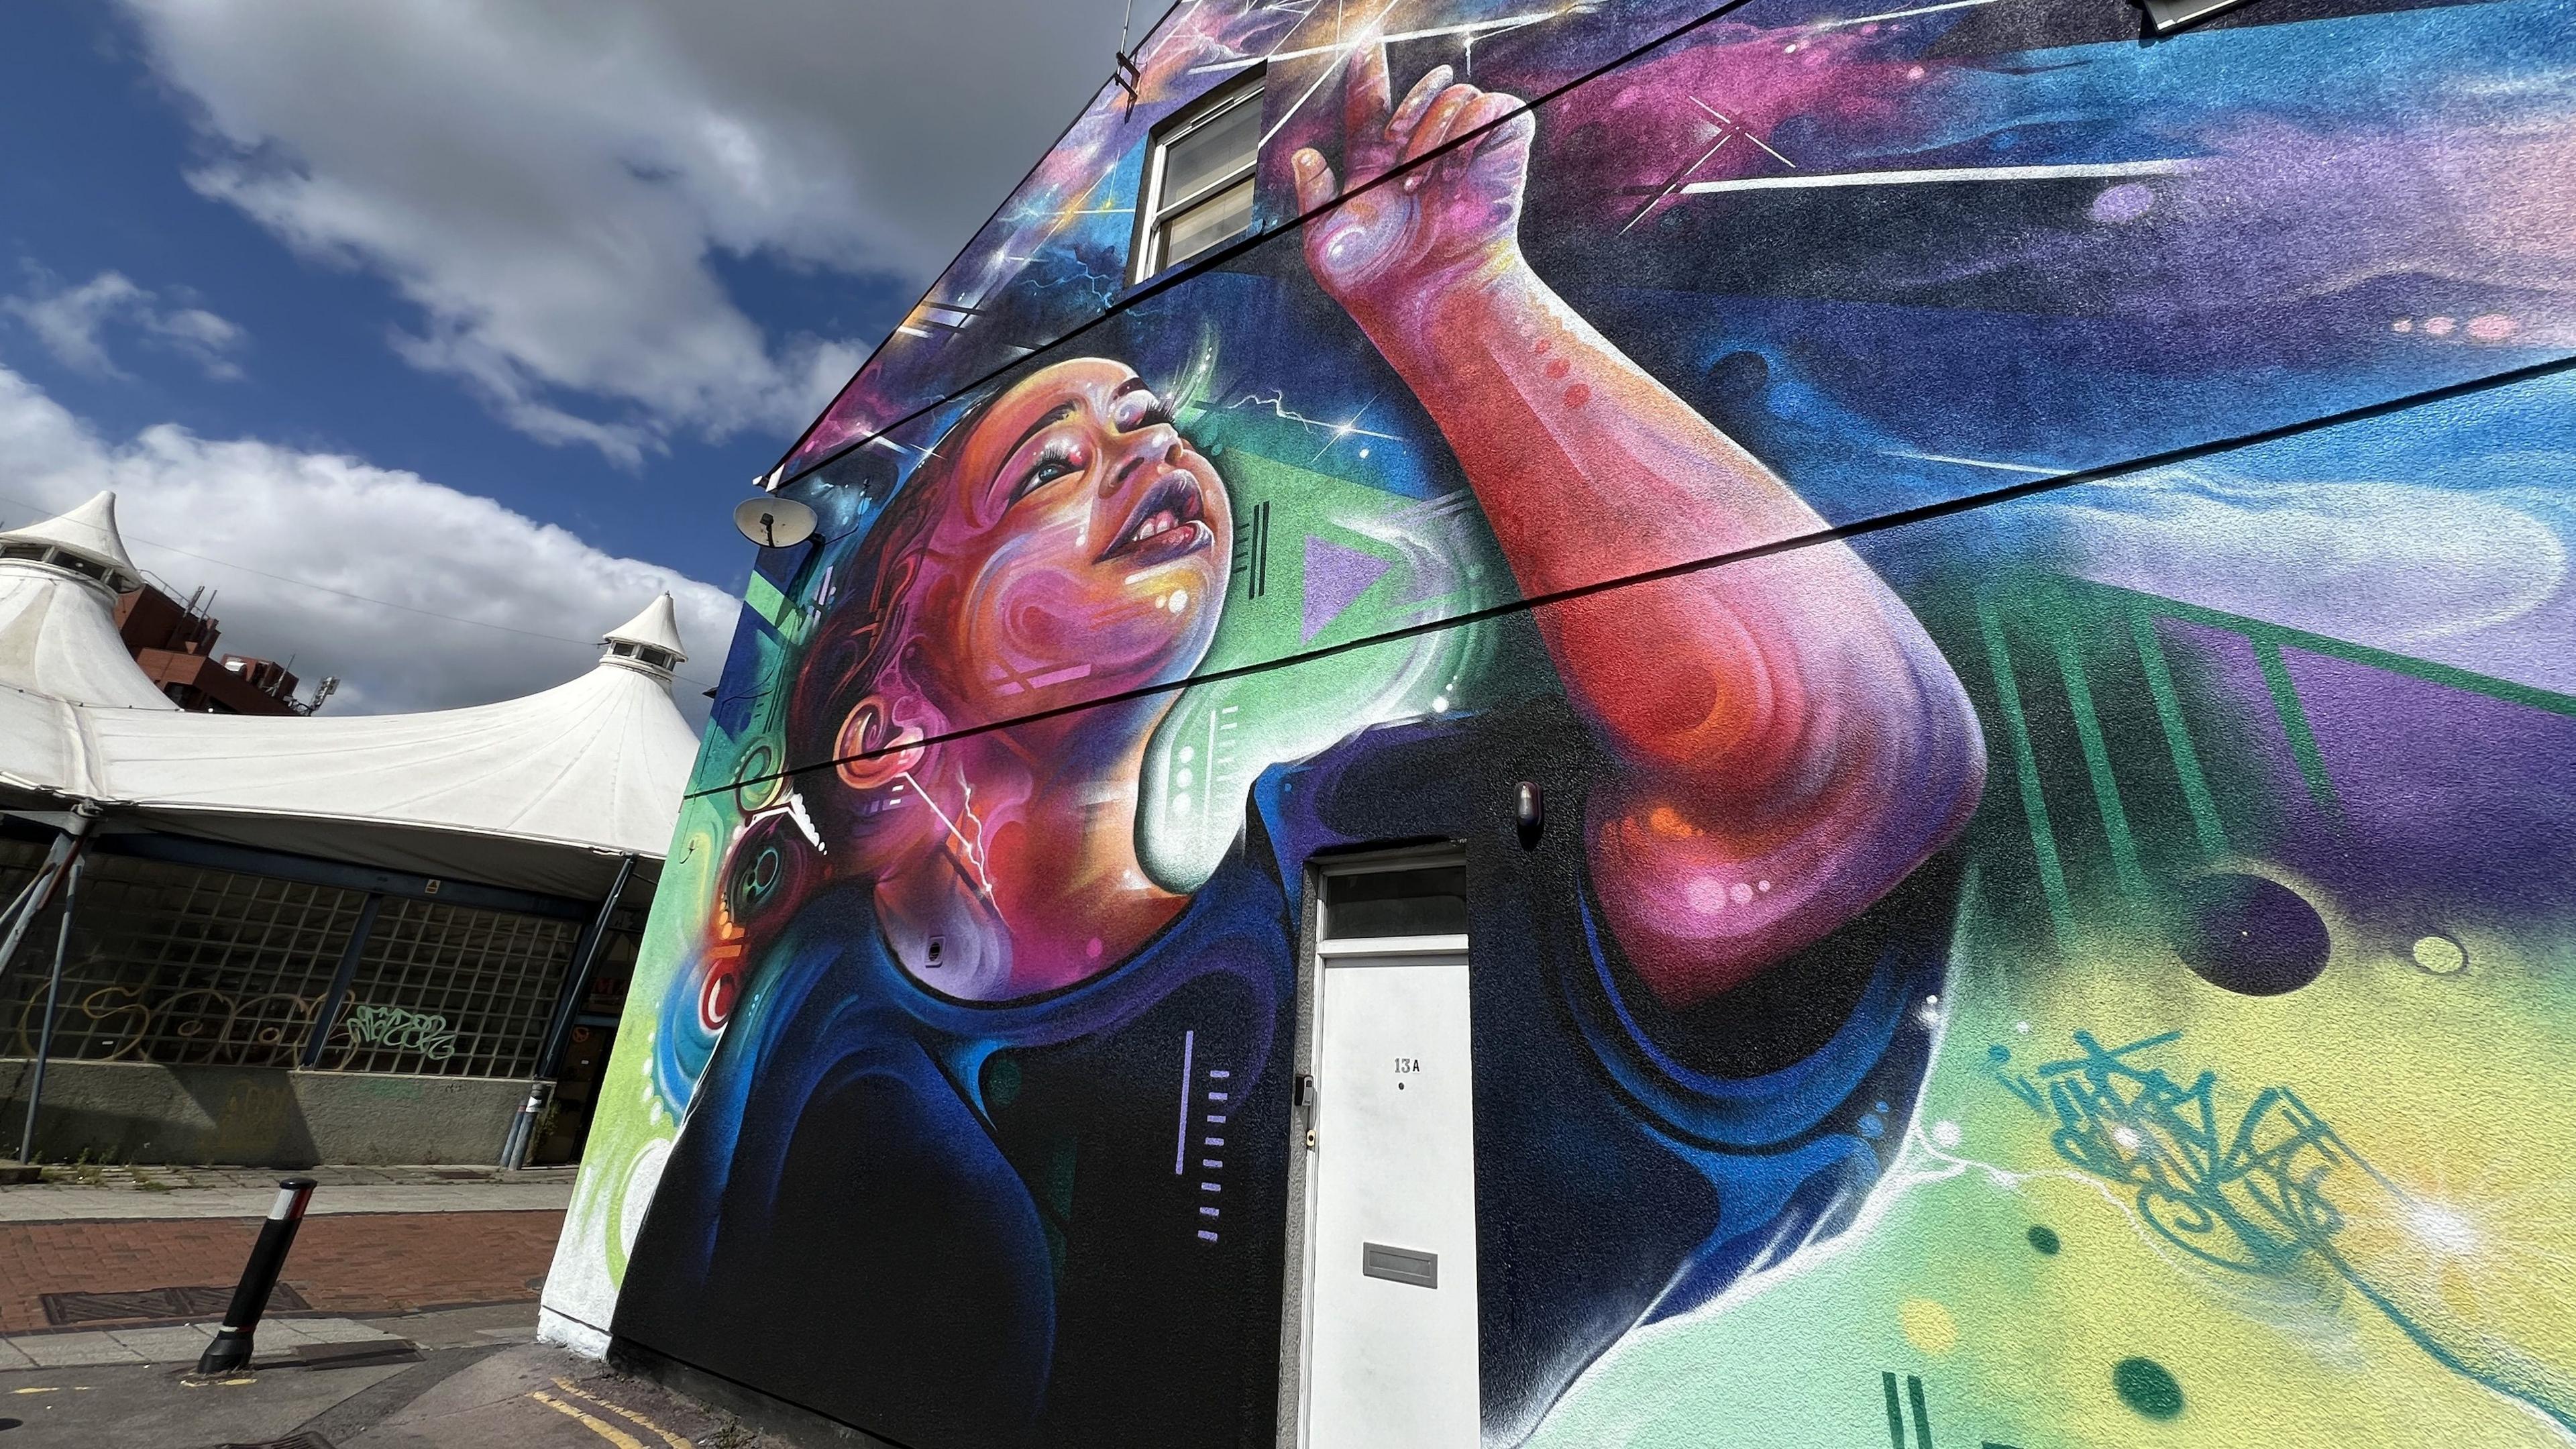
(1086, 551)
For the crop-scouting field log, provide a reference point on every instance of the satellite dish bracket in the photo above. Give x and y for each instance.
(774, 522)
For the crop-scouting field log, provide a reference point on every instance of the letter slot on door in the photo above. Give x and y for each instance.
(1400, 1265)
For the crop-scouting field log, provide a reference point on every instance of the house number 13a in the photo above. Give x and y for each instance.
(1407, 1064)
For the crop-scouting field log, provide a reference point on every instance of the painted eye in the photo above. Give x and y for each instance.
(1049, 467)
(1149, 413)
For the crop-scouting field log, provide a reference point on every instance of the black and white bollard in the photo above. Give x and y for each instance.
(232, 1345)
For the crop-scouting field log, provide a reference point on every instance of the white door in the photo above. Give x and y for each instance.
(1391, 1271)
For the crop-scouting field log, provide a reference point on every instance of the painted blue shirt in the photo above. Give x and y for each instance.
(980, 1225)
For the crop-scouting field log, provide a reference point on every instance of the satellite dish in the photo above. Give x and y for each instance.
(774, 522)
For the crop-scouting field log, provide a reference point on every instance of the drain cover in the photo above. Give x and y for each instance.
(174, 1304)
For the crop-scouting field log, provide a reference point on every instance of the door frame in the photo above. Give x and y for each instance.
(1296, 1319)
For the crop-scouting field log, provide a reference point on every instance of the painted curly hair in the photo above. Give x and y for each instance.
(860, 645)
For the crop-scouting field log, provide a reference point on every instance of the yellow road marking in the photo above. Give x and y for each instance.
(616, 1436)
(36, 1391)
(623, 1412)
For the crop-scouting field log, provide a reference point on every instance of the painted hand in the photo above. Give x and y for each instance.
(1391, 253)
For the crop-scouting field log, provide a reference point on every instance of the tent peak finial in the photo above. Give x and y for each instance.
(650, 640)
(83, 541)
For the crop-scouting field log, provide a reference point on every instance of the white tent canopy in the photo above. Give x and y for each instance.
(58, 585)
(86, 535)
(540, 793)
(658, 627)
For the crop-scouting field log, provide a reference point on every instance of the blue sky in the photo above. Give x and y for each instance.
(315, 286)
(316, 370)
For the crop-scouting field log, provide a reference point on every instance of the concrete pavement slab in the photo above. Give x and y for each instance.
(183, 1343)
(76, 1350)
(180, 1343)
(461, 1327)
(283, 1332)
(338, 1330)
(54, 1202)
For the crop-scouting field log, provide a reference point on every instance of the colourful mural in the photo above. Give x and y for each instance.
(2030, 568)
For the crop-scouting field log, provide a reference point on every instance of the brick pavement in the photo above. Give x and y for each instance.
(352, 1264)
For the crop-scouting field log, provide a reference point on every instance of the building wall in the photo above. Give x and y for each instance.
(257, 1116)
(174, 644)
(196, 976)
(187, 963)
(2028, 572)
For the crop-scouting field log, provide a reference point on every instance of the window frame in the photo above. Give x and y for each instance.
(1439, 855)
(1154, 211)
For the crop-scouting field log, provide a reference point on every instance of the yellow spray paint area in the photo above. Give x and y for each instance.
(2385, 1241)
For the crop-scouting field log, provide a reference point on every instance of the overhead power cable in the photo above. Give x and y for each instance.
(1858, 528)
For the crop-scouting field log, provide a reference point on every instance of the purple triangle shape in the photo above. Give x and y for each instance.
(1335, 576)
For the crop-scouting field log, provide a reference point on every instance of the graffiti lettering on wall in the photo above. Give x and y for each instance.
(400, 1029)
(202, 1026)
(182, 1027)
(2246, 1194)
(2263, 1191)
(1520, 463)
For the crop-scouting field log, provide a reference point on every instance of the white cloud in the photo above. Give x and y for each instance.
(201, 335)
(68, 321)
(71, 323)
(554, 186)
(381, 533)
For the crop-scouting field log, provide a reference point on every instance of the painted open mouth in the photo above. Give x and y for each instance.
(1166, 525)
